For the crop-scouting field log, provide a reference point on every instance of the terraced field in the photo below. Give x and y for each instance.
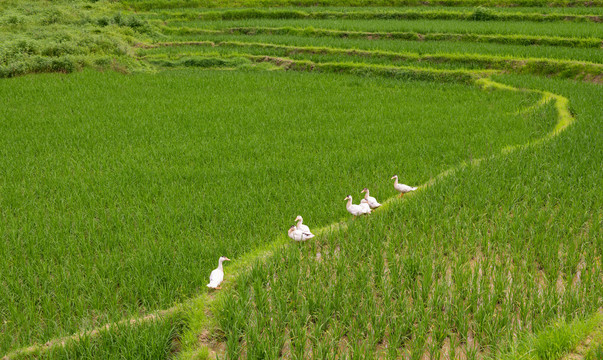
(195, 130)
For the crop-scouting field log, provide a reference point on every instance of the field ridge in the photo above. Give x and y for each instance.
(167, 4)
(537, 66)
(479, 14)
(392, 35)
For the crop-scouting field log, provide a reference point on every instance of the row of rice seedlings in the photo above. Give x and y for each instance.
(519, 65)
(481, 309)
(77, 258)
(509, 268)
(141, 5)
(182, 12)
(571, 30)
(477, 14)
(440, 283)
(420, 47)
(396, 35)
(388, 71)
(322, 350)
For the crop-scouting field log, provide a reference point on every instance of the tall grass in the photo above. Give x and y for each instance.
(65, 36)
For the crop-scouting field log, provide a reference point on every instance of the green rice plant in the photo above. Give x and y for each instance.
(117, 252)
(173, 4)
(535, 66)
(439, 47)
(117, 191)
(407, 36)
(478, 14)
(595, 353)
(554, 341)
(421, 26)
(185, 13)
(507, 235)
(153, 340)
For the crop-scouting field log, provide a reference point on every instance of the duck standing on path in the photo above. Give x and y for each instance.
(371, 200)
(355, 210)
(299, 235)
(402, 188)
(216, 276)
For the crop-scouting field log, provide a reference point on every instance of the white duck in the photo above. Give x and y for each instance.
(355, 210)
(216, 276)
(299, 235)
(371, 200)
(365, 206)
(402, 188)
(301, 226)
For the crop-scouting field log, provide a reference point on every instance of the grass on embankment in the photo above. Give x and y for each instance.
(475, 14)
(65, 36)
(495, 250)
(420, 47)
(555, 340)
(118, 191)
(395, 35)
(518, 28)
(546, 67)
(185, 12)
(154, 339)
(173, 4)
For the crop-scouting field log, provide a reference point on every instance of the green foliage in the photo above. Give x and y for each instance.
(546, 67)
(67, 36)
(479, 14)
(456, 256)
(173, 4)
(554, 341)
(117, 192)
(482, 14)
(155, 339)
(203, 62)
(394, 35)
(595, 354)
(80, 246)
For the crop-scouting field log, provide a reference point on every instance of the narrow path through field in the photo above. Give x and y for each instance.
(564, 119)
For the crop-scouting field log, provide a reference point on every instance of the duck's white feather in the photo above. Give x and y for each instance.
(366, 208)
(303, 228)
(403, 188)
(372, 202)
(299, 235)
(215, 278)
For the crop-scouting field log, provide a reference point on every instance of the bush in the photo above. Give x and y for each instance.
(482, 14)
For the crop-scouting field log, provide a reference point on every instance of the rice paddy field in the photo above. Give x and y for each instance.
(142, 140)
